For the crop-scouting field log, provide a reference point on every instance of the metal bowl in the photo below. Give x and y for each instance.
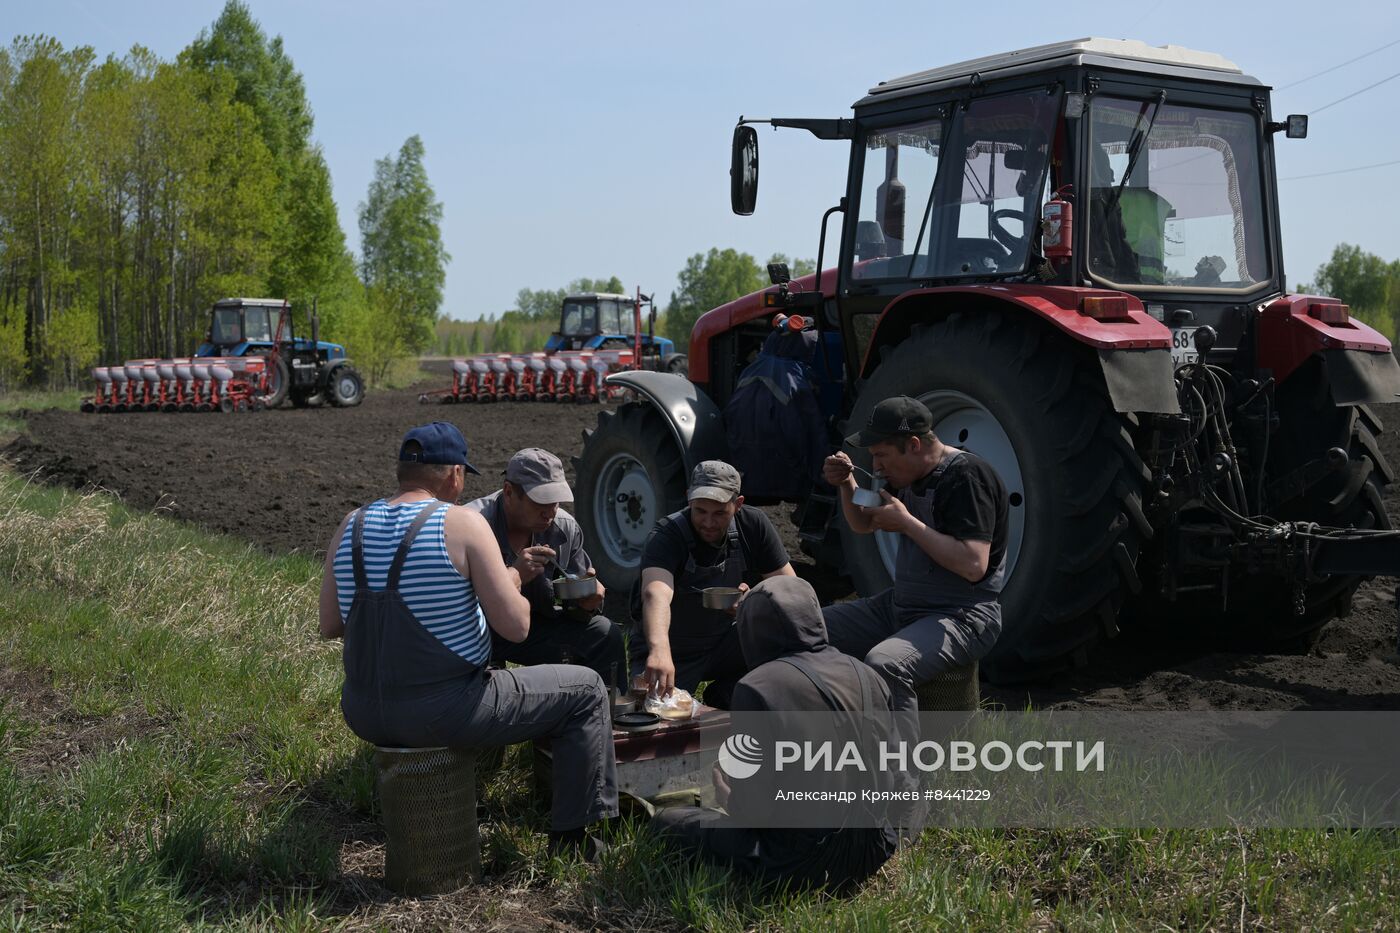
(575, 587)
(720, 597)
(867, 498)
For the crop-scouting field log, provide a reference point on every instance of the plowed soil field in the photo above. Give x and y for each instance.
(284, 479)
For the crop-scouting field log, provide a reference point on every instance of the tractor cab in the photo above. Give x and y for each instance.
(591, 320)
(309, 371)
(242, 326)
(238, 325)
(1096, 163)
(602, 321)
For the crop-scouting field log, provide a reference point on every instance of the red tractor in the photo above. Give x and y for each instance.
(1071, 254)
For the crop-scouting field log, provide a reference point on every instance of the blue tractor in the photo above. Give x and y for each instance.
(601, 321)
(308, 371)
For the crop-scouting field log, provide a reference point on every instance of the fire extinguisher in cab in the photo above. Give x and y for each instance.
(1057, 226)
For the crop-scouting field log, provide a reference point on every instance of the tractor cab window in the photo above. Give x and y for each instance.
(608, 319)
(228, 327)
(580, 319)
(989, 192)
(624, 323)
(900, 166)
(956, 197)
(256, 325)
(1179, 205)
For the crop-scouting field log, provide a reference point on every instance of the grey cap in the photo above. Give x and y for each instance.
(541, 475)
(714, 480)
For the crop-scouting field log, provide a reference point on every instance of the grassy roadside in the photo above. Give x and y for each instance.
(172, 756)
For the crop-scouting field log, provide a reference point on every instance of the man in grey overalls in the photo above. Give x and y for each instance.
(715, 541)
(538, 538)
(950, 512)
(416, 587)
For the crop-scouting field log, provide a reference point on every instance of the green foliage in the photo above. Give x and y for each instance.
(1366, 282)
(378, 338)
(404, 263)
(708, 281)
(13, 356)
(309, 256)
(797, 267)
(72, 339)
(716, 278)
(134, 192)
(512, 333)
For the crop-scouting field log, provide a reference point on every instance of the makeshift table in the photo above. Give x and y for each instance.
(677, 755)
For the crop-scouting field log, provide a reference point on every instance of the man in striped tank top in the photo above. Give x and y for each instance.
(415, 585)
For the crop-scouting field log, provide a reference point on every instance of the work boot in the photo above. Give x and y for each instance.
(567, 843)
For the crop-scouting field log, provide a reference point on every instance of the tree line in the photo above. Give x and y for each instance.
(134, 192)
(1367, 283)
(707, 281)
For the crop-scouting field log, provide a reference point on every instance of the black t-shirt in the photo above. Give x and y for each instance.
(763, 549)
(970, 504)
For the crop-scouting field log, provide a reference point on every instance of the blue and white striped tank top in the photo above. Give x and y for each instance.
(439, 597)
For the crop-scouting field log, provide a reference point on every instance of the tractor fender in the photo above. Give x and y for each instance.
(695, 420)
(1360, 367)
(1134, 350)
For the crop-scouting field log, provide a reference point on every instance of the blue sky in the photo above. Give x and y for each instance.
(570, 140)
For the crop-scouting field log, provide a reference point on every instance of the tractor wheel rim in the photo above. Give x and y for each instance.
(961, 421)
(347, 387)
(625, 508)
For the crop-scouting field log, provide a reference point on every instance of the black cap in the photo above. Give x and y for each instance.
(440, 442)
(900, 416)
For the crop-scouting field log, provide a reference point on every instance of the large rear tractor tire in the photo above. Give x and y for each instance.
(629, 475)
(1035, 407)
(280, 380)
(345, 388)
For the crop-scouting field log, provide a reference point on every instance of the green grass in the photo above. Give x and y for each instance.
(33, 400)
(177, 760)
(402, 373)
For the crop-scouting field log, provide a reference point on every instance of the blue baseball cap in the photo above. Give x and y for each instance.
(440, 442)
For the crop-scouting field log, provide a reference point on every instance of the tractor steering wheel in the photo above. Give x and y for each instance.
(1005, 238)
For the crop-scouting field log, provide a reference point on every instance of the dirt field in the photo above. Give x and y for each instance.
(284, 479)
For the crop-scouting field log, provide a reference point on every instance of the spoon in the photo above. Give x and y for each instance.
(564, 573)
(857, 466)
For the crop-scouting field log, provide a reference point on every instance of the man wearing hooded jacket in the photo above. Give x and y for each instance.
(794, 669)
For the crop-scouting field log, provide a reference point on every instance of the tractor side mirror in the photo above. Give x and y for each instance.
(1295, 125)
(743, 170)
(778, 273)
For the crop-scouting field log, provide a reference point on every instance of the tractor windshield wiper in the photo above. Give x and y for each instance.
(1135, 147)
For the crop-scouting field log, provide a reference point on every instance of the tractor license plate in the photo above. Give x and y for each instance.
(1184, 346)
